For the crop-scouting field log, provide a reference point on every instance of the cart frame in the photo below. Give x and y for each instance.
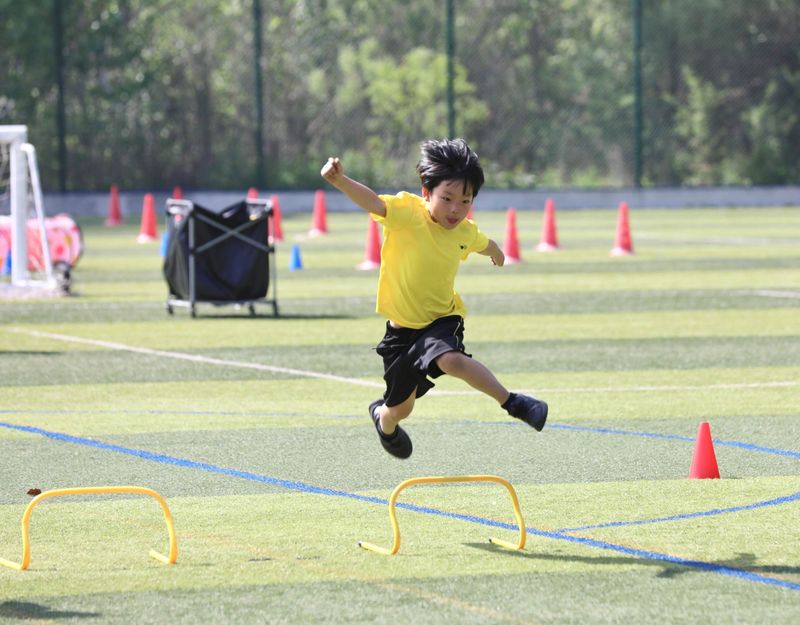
(260, 210)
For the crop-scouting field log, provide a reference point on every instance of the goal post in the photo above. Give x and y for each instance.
(23, 182)
(14, 137)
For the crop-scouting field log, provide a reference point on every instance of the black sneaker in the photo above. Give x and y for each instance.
(398, 442)
(528, 409)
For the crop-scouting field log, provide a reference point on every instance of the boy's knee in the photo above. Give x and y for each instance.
(450, 362)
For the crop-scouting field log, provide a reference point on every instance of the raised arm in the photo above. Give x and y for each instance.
(360, 194)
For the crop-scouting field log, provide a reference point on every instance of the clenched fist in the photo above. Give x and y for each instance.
(332, 171)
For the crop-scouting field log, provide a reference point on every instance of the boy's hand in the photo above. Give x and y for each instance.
(498, 258)
(494, 252)
(332, 171)
(360, 194)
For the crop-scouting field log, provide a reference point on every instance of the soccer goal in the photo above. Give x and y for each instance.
(21, 209)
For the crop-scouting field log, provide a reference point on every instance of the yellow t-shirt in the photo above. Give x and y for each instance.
(419, 262)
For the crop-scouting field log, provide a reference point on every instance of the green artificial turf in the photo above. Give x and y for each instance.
(256, 433)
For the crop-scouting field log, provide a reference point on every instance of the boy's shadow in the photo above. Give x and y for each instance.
(27, 611)
(744, 561)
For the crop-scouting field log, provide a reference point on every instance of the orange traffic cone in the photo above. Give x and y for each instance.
(372, 249)
(252, 193)
(114, 214)
(549, 238)
(511, 243)
(319, 224)
(704, 461)
(177, 193)
(147, 231)
(277, 234)
(623, 245)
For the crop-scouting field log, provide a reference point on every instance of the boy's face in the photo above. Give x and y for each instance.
(448, 202)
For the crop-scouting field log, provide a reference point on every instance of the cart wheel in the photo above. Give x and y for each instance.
(252, 310)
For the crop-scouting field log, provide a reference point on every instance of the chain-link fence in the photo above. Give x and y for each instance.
(551, 93)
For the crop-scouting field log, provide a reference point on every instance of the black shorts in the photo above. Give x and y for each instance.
(409, 356)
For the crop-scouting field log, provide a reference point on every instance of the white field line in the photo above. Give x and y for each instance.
(357, 381)
(195, 357)
(779, 294)
(717, 240)
(643, 389)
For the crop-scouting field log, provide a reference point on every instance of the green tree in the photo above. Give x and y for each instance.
(161, 93)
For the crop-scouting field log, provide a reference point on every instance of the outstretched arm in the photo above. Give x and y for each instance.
(494, 252)
(360, 194)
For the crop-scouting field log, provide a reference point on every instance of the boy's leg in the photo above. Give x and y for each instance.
(393, 438)
(474, 373)
(390, 416)
(528, 409)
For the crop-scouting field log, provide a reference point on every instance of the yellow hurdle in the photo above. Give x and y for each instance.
(94, 490)
(440, 480)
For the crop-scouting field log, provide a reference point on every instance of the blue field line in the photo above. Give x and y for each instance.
(190, 464)
(318, 490)
(674, 437)
(550, 426)
(759, 448)
(689, 515)
(616, 432)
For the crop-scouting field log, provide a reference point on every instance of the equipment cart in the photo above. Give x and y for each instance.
(220, 257)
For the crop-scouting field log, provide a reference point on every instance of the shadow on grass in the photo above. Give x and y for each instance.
(17, 353)
(743, 561)
(270, 317)
(23, 610)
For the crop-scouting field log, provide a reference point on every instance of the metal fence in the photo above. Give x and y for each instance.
(228, 94)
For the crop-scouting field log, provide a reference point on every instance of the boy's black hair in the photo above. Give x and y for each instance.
(449, 159)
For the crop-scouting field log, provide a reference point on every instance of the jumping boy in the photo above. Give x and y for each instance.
(425, 240)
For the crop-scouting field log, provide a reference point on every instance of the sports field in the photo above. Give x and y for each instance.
(255, 431)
